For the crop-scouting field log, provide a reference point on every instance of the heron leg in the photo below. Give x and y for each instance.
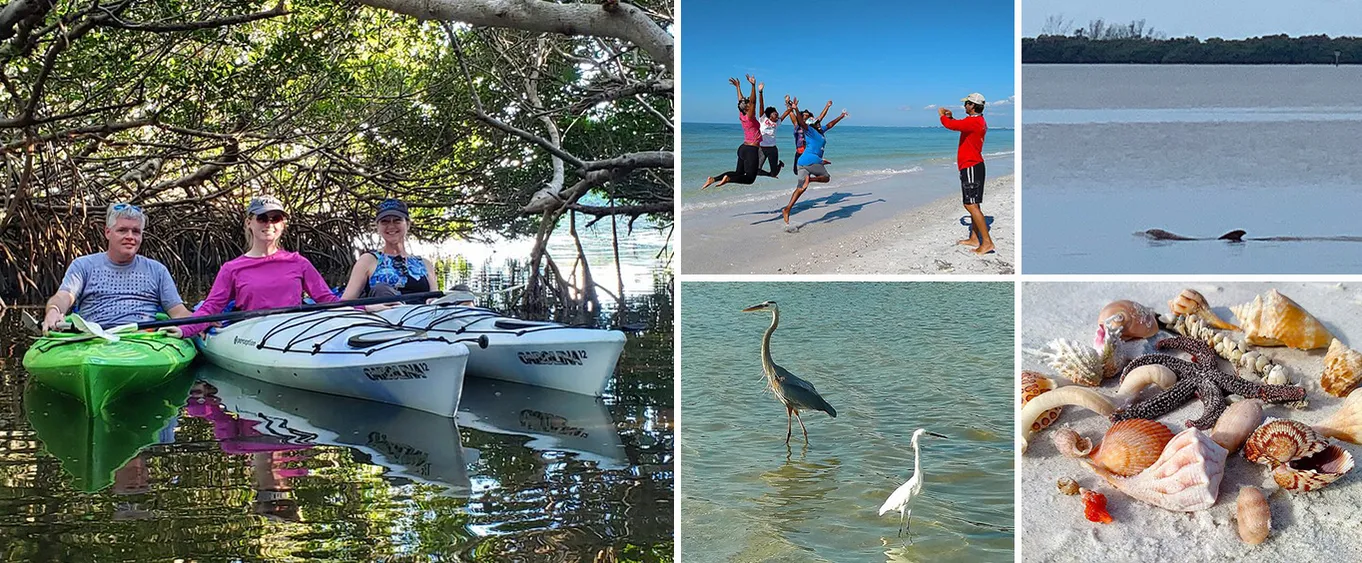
(789, 425)
(801, 426)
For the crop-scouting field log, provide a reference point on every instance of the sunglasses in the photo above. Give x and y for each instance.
(270, 218)
(122, 206)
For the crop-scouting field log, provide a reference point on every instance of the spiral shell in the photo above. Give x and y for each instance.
(1130, 446)
(1185, 478)
(1033, 384)
(1273, 319)
(1067, 486)
(1070, 443)
(1255, 517)
(1346, 422)
(1342, 369)
(1190, 303)
(1136, 321)
(1280, 441)
(1312, 472)
(1236, 423)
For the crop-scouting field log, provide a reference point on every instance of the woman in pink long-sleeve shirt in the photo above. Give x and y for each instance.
(266, 276)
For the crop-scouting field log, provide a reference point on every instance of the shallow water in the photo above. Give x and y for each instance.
(890, 358)
(235, 469)
(1113, 150)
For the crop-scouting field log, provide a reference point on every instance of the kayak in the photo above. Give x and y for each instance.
(92, 448)
(543, 354)
(345, 352)
(411, 444)
(98, 372)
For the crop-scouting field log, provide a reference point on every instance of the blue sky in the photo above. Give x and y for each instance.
(885, 62)
(1227, 19)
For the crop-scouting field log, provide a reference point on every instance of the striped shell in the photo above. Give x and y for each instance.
(1135, 320)
(1255, 516)
(1273, 319)
(1032, 385)
(1280, 441)
(1342, 369)
(1313, 472)
(1130, 446)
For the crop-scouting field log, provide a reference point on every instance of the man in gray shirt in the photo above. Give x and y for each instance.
(117, 286)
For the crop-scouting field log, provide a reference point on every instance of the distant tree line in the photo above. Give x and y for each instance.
(1060, 42)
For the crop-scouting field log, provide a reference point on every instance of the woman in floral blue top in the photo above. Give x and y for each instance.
(390, 271)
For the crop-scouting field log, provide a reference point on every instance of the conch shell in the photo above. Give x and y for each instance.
(1273, 319)
(1136, 321)
(1070, 443)
(1313, 472)
(1032, 385)
(1255, 517)
(1346, 422)
(1185, 478)
(1280, 441)
(1342, 369)
(1131, 446)
(1236, 423)
(1069, 395)
(1191, 303)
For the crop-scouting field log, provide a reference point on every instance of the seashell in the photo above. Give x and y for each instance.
(1074, 361)
(1315, 471)
(1185, 478)
(1191, 303)
(1069, 395)
(1346, 422)
(1255, 517)
(1143, 376)
(1280, 441)
(1130, 446)
(1071, 443)
(1342, 369)
(1236, 423)
(1273, 319)
(1067, 486)
(1095, 507)
(1136, 321)
(1276, 376)
(1033, 384)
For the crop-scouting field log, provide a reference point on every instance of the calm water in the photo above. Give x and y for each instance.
(1113, 150)
(890, 358)
(916, 158)
(219, 467)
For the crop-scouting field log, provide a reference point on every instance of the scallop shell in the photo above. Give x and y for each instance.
(1273, 319)
(1346, 422)
(1255, 517)
(1130, 446)
(1033, 384)
(1313, 472)
(1074, 361)
(1342, 369)
(1136, 321)
(1068, 395)
(1191, 303)
(1236, 423)
(1280, 441)
(1185, 478)
(1070, 443)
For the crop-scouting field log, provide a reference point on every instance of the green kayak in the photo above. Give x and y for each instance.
(98, 372)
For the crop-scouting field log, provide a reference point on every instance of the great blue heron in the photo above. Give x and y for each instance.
(795, 393)
(904, 495)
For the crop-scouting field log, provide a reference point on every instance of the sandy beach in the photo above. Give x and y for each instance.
(874, 228)
(1312, 526)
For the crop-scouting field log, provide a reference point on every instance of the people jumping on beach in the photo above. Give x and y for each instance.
(770, 119)
(749, 154)
(970, 159)
(810, 165)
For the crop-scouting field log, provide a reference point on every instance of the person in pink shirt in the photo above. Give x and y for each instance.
(266, 276)
(749, 153)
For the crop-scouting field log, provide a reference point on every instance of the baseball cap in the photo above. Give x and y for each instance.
(262, 204)
(975, 98)
(392, 208)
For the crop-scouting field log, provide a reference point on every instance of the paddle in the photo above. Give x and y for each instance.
(242, 315)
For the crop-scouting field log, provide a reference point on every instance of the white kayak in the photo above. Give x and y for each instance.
(348, 353)
(543, 354)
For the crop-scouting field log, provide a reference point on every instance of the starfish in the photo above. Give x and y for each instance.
(1202, 377)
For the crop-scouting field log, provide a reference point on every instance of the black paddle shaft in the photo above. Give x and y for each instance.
(242, 315)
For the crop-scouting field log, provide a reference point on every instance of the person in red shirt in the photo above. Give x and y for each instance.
(970, 159)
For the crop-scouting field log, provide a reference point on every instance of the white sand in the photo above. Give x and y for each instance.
(917, 240)
(1322, 525)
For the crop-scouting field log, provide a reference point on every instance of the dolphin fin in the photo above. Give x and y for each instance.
(1233, 236)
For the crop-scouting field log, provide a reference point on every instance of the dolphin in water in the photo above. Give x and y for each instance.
(1238, 236)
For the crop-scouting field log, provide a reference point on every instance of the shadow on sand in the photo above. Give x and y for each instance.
(828, 201)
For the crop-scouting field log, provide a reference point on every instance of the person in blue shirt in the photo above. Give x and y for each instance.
(809, 167)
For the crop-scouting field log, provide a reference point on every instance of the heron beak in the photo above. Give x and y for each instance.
(761, 307)
(935, 434)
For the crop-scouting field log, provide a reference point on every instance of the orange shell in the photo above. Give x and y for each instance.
(1280, 441)
(1342, 369)
(1095, 507)
(1255, 516)
(1131, 446)
(1313, 472)
(1273, 319)
(1033, 384)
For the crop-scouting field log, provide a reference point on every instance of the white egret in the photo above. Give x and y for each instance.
(904, 495)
